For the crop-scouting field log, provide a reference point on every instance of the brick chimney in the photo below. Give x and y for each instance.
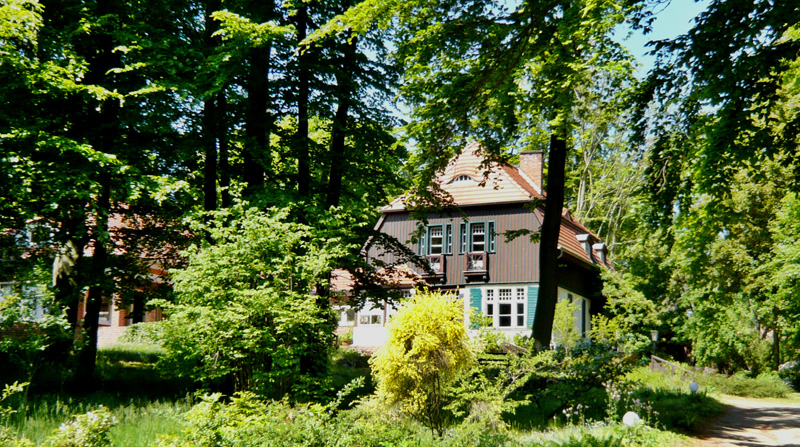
(532, 164)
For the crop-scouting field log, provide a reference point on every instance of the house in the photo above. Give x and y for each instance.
(36, 240)
(469, 253)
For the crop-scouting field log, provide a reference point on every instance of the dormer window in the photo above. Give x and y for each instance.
(462, 178)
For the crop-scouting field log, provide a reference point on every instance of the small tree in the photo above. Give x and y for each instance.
(244, 309)
(427, 349)
(564, 330)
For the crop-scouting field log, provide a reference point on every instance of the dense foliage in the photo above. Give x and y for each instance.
(244, 308)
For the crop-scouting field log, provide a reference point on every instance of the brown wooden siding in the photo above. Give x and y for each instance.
(515, 261)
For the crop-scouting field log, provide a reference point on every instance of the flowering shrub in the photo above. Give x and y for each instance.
(85, 430)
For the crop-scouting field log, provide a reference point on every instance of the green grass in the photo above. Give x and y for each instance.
(139, 421)
(764, 386)
(130, 368)
(144, 403)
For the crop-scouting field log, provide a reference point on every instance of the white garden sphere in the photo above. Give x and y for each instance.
(693, 387)
(630, 419)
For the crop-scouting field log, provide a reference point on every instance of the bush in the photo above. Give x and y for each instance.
(143, 333)
(427, 350)
(767, 384)
(86, 430)
(612, 435)
(249, 421)
(245, 312)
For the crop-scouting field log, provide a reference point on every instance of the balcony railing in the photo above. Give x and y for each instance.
(477, 266)
(436, 262)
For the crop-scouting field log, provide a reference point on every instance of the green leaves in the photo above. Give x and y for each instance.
(244, 306)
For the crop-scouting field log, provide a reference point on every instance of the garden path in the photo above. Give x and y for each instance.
(754, 422)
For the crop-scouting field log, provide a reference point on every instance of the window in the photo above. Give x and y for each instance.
(477, 236)
(370, 319)
(371, 315)
(506, 306)
(437, 240)
(462, 178)
(463, 235)
(347, 316)
(104, 319)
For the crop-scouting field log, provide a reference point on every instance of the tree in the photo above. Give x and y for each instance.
(426, 351)
(714, 114)
(244, 309)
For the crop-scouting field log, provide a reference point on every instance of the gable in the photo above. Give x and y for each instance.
(470, 183)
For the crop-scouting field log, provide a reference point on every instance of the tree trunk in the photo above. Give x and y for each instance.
(103, 136)
(210, 144)
(210, 118)
(345, 90)
(257, 157)
(223, 170)
(776, 339)
(303, 92)
(88, 356)
(548, 246)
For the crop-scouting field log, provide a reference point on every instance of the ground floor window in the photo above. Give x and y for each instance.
(506, 306)
(347, 316)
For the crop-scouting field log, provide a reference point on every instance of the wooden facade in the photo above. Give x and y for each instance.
(511, 262)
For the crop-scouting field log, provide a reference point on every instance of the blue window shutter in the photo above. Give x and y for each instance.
(448, 239)
(475, 303)
(462, 238)
(583, 317)
(533, 300)
(490, 237)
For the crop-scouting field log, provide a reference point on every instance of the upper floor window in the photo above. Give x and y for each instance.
(477, 236)
(462, 178)
(437, 240)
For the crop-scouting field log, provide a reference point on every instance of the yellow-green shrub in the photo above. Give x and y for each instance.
(427, 349)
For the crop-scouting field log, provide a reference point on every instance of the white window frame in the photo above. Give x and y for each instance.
(436, 232)
(473, 232)
(517, 297)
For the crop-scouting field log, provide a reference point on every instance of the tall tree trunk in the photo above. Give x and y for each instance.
(548, 246)
(87, 358)
(210, 145)
(103, 137)
(210, 118)
(344, 92)
(776, 340)
(224, 170)
(303, 92)
(257, 157)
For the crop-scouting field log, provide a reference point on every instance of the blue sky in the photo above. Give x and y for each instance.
(672, 20)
